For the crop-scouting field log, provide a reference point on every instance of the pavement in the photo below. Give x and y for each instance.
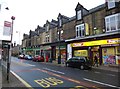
(15, 82)
(12, 83)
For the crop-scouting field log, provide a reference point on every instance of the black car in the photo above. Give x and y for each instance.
(79, 62)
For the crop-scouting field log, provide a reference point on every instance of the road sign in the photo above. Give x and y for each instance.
(5, 31)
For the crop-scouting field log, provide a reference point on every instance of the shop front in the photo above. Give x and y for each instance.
(28, 51)
(46, 52)
(107, 50)
(62, 52)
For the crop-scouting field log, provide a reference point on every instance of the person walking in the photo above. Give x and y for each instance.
(96, 60)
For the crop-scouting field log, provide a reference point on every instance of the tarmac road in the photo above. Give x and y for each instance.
(42, 75)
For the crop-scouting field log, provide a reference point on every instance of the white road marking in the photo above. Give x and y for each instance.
(97, 72)
(54, 71)
(111, 74)
(101, 83)
(29, 64)
(22, 63)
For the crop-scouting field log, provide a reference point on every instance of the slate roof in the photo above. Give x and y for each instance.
(25, 36)
(96, 9)
(39, 29)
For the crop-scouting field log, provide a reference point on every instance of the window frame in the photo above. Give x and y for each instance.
(60, 21)
(110, 4)
(79, 14)
(47, 27)
(80, 30)
(108, 22)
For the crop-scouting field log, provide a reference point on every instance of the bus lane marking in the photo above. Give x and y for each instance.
(54, 71)
(48, 82)
(66, 78)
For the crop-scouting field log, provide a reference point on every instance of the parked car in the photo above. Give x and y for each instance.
(28, 57)
(21, 56)
(79, 62)
(38, 58)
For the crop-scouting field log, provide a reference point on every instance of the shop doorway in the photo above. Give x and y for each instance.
(95, 52)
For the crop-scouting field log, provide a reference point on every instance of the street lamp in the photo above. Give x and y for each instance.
(8, 63)
(59, 53)
(59, 34)
(13, 18)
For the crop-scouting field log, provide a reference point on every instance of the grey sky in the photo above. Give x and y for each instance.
(30, 13)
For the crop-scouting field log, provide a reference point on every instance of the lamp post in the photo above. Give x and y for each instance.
(8, 63)
(59, 53)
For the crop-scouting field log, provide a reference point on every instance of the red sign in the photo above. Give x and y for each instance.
(7, 24)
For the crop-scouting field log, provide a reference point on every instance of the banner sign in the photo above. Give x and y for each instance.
(5, 31)
(97, 42)
(7, 28)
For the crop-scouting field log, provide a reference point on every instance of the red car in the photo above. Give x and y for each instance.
(38, 58)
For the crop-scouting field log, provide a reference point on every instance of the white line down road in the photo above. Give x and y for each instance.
(101, 83)
(54, 71)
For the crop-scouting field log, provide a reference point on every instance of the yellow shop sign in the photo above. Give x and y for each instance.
(98, 42)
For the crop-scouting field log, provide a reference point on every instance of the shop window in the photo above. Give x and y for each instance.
(38, 52)
(118, 50)
(109, 55)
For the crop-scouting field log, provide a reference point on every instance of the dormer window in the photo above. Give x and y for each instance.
(60, 22)
(47, 28)
(79, 16)
(111, 4)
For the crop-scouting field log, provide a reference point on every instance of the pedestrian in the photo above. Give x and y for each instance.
(96, 60)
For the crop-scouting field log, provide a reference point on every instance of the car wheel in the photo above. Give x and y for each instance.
(81, 67)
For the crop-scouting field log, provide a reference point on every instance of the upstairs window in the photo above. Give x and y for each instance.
(79, 15)
(77, 31)
(61, 34)
(111, 4)
(47, 38)
(80, 30)
(112, 22)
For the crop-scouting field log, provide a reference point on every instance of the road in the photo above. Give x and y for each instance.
(41, 75)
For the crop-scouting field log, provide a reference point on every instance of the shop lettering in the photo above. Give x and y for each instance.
(47, 82)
